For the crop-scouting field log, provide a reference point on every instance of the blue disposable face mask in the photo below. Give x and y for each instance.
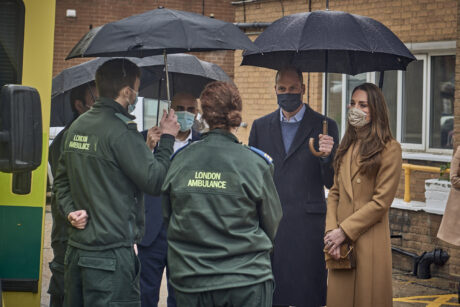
(289, 102)
(185, 119)
(132, 106)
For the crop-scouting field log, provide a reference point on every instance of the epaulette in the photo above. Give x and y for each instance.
(128, 121)
(262, 154)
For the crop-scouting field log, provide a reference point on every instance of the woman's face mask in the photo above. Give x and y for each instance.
(185, 119)
(357, 118)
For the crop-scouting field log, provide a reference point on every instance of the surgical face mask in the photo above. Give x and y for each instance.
(185, 119)
(132, 106)
(289, 102)
(357, 117)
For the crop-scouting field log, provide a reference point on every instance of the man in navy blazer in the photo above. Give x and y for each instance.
(153, 247)
(298, 259)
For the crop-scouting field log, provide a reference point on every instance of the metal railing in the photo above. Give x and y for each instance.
(412, 167)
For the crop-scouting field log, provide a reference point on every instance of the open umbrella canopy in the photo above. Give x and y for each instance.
(188, 74)
(350, 44)
(158, 31)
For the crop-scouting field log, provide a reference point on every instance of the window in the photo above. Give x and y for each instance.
(11, 41)
(420, 101)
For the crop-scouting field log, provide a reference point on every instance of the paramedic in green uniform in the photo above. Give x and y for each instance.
(222, 212)
(103, 170)
(81, 100)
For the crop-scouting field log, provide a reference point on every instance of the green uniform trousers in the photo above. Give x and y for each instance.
(258, 295)
(108, 278)
(56, 286)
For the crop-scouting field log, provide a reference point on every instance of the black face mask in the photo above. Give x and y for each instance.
(289, 102)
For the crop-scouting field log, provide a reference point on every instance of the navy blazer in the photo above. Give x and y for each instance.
(153, 211)
(300, 177)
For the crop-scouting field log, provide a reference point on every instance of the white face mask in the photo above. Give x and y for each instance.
(357, 117)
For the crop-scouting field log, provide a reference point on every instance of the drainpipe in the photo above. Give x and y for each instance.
(421, 264)
(243, 2)
(414, 257)
(437, 256)
(248, 25)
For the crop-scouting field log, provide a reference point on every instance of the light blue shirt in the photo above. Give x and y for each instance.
(294, 119)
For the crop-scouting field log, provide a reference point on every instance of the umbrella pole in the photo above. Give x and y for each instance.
(312, 140)
(167, 78)
(381, 79)
(158, 102)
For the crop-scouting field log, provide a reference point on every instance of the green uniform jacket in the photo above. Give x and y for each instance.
(60, 224)
(222, 210)
(104, 167)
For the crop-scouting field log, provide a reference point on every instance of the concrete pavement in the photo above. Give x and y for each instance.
(408, 291)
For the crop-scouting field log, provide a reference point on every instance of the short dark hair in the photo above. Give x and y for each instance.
(114, 75)
(221, 104)
(79, 93)
(299, 74)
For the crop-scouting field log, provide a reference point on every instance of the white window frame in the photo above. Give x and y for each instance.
(425, 52)
(428, 103)
(410, 146)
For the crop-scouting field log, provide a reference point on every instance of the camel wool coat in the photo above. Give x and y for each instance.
(359, 204)
(449, 230)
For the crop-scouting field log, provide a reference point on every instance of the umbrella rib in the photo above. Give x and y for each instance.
(362, 31)
(182, 26)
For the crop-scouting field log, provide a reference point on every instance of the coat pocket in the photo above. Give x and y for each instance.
(98, 272)
(98, 263)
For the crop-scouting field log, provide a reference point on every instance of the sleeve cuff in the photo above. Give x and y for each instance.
(167, 136)
(325, 160)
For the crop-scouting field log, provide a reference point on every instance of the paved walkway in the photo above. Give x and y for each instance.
(408, 291)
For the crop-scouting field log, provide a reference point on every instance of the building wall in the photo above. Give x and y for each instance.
(412, 21)
(419, 230)
(98, 12)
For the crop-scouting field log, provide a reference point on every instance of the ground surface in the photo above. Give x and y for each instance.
(408, 291)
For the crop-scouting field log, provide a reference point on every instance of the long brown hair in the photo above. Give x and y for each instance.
(375, 135)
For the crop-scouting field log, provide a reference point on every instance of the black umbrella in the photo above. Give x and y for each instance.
(161, 31)
(329, 41)
(187, 72)
(353, 44)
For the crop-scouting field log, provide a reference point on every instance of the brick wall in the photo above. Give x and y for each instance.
(413, 21)
(68, 31)
(419, 230)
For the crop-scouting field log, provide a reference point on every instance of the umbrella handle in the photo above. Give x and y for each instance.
(312, 142)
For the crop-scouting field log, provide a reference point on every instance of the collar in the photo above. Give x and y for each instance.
(112, 104)
(294, 119)
(188, 138)
(221, 132)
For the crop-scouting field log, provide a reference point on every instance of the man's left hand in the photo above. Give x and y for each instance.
(326, 143)
(153, 136)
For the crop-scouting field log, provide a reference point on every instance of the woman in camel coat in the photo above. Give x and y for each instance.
(368, 166)
(449, 230)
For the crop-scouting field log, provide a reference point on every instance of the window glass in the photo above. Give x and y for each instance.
(354, 81)
(442, 101)
(390, 92)
(11, 41)
(334, 98)
(151, 111)
(412, 104)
